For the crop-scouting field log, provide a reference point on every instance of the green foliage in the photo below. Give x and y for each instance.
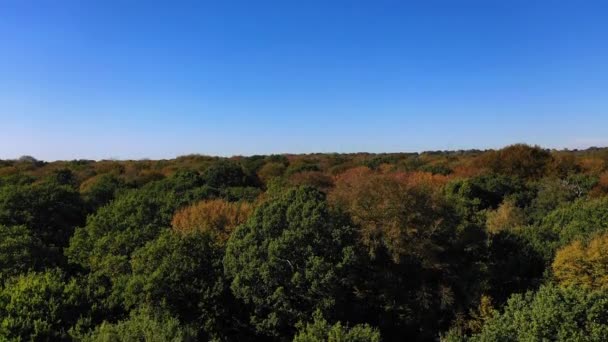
(235, 194)
(582, 218)
(410, 163)
(63, 177)
(225, 174)
(104, 246)
(277, 158)
(39, 306)
(301, 167)
(551, 194)
(471, 197)
(581, 184)
(271, 170)
(101, 190)
(288, 260)
(436, 169)
(579, 220)
(550, 314)
(183, 275)
(16, 179)
(143, 325)
(48, 210)
(133, 219)
(376, 161)
(252, 164)
(321, 331)
(16, 251)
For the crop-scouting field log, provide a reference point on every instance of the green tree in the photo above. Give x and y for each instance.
(474, 196)
(577, 221)
(319, 330)
(549, 314)
(105, 245)
(63, 176)
(49, 211)
(290, 259)
(225, 173)
(551, 193)
(143, 324)
(183, 275)
(40, 307)
(100, 190)
(16, 251)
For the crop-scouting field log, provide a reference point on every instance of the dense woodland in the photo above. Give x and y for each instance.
(497, 245)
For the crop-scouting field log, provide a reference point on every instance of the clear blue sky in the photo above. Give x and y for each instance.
(157, 79)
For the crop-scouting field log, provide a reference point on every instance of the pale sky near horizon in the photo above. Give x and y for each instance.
(157, 79)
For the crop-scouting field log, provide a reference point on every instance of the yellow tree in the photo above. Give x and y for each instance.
(583, 264)
(507, 216)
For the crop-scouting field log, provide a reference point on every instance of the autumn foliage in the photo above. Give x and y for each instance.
(396, 211)
(519, 160)
(217, 217)
(583, 264)
(505, 218)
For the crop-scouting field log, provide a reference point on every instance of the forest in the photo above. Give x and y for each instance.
(495, 245)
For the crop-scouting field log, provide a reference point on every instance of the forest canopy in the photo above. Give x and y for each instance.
(497, 245)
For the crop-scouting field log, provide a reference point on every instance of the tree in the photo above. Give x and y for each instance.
(602, 186)
(215, 217)
(579, 220)
(315, 179)
(240, 193)
(271, 170)
(290, 259)
(144, 324)
(106, 243)
(474, 324)
(472, 197)
(392, 211)
(40, 306)
(484, 312)
(16, 251)
(583, 264)
(183, 276)
(100, 190)
(320, 331)
(507, 217)
(551, 193)
(225, 173)
(49, 211)
(512, 265)
(422, 265)
(520, 160)
(563, 164)
(301, 166)
(549, 314)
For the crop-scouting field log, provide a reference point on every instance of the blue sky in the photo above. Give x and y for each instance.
(157, 79)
